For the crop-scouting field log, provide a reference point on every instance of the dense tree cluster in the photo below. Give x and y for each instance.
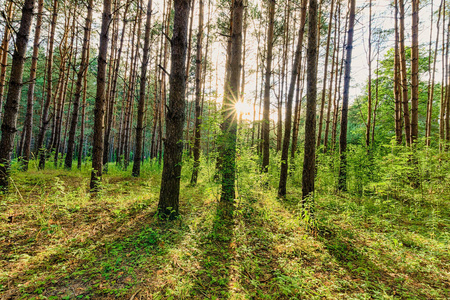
(166, 80)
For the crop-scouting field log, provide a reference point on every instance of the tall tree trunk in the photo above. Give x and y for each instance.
(9, 121)
(83, 110)
(369, 84)
(198, 95)
(189, 49)
(99, 110)
(63, 92)
(377, 99)
(4, 53)
(443, 83)
(309, 162)
(397, 83)
(133, 75)
(325, 75)
(298, 108)
(431, 81)
(141, 105)
(266, 110)
(45, 118)
(113, 90)
(447, 90)
(404, 82)
(109, 101)
(343, 137)
(173, 150)
(288, 121)
(231, 92)
(415, 72)
(337, 93)
(283, 76)
(334, 66)
(79, 87)
(30, 96)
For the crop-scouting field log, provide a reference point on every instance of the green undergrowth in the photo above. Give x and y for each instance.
(386, 238)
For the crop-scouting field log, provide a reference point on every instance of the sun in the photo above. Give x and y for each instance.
(243, 110)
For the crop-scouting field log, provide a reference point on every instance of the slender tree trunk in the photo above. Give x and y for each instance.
(79, 86)
(377, 99)
(113, 91)
(369, 84)
(447, 90)
(45, 118)
(283, 71)
(63, 93)
(404, 82)
(443, 84)
(30, 96)
(288, 121)
(343, 137)
(298, 108)
(133, 75)
(173, 150)
(397, 84)
(325, 75)
(4, 53)
(229, 125)
(266, 110)
(334, 66)
(198, 112)
(109, 101)
(188, 68)
(431, 83)
(309, 162)
(189, 49)
(99, 111)
(83, 110)
(9, 122)
(337, 94)
(141, 105)
(415, 72)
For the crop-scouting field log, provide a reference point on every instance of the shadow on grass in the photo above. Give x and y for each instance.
(261, 275)
(342, 245)
(99, 267)
(213, 278)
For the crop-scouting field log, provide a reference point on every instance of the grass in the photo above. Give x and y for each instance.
(57, 242)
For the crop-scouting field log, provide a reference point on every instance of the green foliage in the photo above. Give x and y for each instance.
(383, 100)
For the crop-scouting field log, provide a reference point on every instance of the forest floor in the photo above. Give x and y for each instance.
(57, 242)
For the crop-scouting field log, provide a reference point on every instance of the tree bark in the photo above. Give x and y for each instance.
(30, 96)
(229, 126)
(431, 83)
(325, 75)
(79, 87)
(404, 82)
(45, 118)
(141, 105)
(309, 162)
(198, 95)
(266, 109)
(4, 53)
(369, 84)
(288, 121)
(99, 110)
(415, 72)
(397, 84)
(342, 185)
(334, 67)
(170, 181)
(9, 121)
